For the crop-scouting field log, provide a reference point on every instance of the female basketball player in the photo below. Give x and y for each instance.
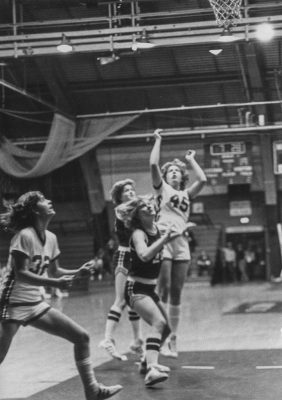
(33, 252)
(173, 202)
(146, 245)
(121, 192)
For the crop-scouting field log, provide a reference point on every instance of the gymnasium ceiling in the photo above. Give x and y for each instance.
(177, 85)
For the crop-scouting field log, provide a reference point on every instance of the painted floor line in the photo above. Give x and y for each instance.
(197, 367)
(269, 367)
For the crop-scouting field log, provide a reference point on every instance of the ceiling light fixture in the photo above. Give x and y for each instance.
(108, 59)
(227, 36)
(264, 32)
(65, 45)
(28, 51)
(143, 42)
(215, 51)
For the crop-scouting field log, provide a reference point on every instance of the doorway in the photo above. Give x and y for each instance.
(250, 247)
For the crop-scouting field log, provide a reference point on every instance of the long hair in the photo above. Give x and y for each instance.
(21, 214)
(183, 169)
(116, 191)
(128, 212)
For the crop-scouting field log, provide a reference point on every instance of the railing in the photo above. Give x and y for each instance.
(107, 33)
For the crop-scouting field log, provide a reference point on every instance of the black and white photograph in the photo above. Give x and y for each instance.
(140, 199)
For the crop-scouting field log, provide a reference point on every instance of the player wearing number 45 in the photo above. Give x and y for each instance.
(33, 252)
(173, 201)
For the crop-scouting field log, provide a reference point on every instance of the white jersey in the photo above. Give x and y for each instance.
(173, 207)
(39, 254)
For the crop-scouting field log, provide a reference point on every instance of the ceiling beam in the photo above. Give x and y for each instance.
(176, 132)
(181, 108)
(105, 40)
(147, 83)
(273, 6)
(156, 82)
(210, 131)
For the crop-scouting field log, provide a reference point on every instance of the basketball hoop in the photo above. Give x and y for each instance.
(227, 12)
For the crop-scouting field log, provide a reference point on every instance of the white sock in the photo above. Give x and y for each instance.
(113, 319)
(87, 375)
(152, 349)
(174, 317)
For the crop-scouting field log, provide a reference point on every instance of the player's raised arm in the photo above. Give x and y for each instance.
(201, 178)
(155, 160)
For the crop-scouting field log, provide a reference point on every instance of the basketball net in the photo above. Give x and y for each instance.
(227, 12)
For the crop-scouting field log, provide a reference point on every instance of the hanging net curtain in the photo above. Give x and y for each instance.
(66, 141)
(227, 12)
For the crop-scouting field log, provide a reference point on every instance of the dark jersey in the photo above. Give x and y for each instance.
(149, 269)
(123, 233)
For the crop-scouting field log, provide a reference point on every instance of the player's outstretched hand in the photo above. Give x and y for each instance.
(190, 155)
(171, 232)
(157, 133)
(86, 269)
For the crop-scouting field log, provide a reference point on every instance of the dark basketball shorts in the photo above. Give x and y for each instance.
(135, 291)
(122, 260)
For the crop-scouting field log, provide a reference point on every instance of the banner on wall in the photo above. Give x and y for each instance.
(240, 208)
(197, 208)
(228, 163)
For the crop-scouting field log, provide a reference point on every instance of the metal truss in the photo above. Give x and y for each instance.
(119, 32)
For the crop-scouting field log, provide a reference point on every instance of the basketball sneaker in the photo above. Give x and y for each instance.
(105, 392)
(159, 367)
(109, 346)
(154, 376)
(169, 348)
(162, 368)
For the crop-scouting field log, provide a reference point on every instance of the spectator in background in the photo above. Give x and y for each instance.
(250, 260)
(204, 263)
(108, 257)
(241, 263)
(217, 271)
(99, 265)
(229, 263)
(260, 260)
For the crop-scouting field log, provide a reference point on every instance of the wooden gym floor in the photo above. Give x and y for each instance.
(230, 344)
